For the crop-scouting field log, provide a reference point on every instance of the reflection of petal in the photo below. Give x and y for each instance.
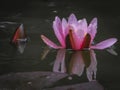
(45, 52)
(77, 64)
(21, 44)
(59, 65)
(112, 51)
(104, 44)
(92, 69)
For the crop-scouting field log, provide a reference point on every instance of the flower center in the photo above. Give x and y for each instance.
(86, 41)
(71, 39)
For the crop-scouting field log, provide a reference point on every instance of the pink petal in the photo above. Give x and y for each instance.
(19, 34)
(49, 42)
(82, 25)
(72, 19)
(57, 26)
(59, 64)
(75, 39)
(92, 28)
(65, 27)
(104, 44)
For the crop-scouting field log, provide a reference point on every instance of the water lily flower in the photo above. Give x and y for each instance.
(19, 38)
(81, 34)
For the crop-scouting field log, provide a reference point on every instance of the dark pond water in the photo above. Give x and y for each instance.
(78, 67)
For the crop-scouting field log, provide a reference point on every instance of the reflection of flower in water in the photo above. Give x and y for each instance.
(80, 34)
(59, 65)
(77, 63)
(92, 68)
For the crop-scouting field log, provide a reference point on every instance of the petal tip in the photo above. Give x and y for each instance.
(57, 18)
(21, 26)
(94, 20)
(72, 14)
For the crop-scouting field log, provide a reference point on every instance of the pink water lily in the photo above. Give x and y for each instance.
(81, 35)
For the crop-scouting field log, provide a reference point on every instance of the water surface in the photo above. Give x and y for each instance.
(37, 18)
